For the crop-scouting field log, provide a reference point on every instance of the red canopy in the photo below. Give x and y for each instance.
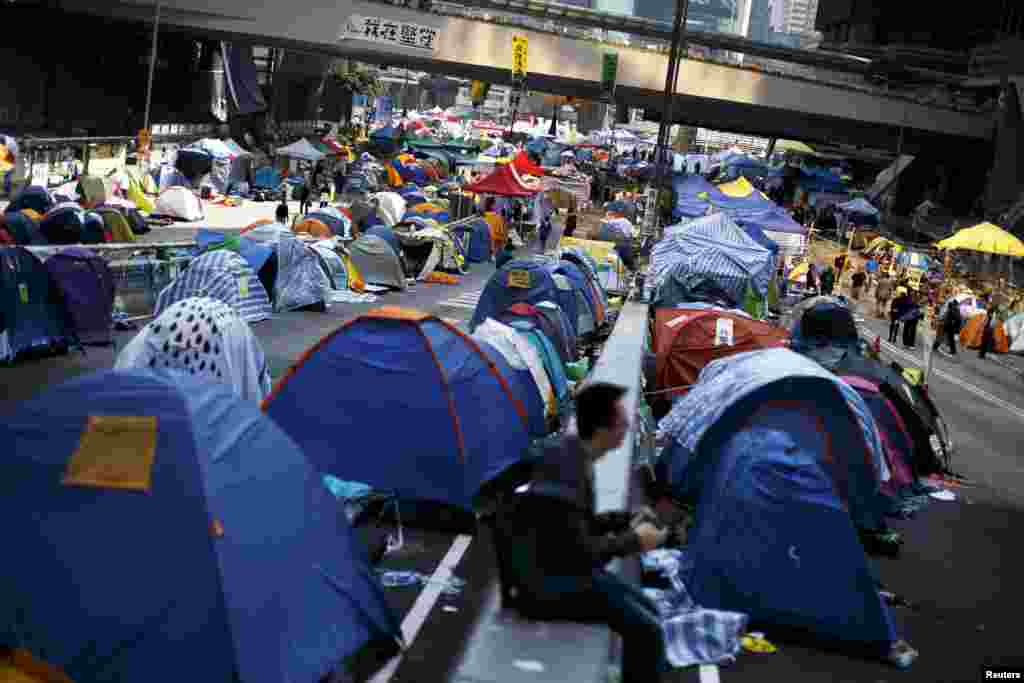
(502, 182)
(524, 164)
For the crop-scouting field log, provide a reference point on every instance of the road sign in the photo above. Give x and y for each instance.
(609, 73)
(520, 51)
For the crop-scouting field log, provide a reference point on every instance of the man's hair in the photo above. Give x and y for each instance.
(282, 212)
(595, 407)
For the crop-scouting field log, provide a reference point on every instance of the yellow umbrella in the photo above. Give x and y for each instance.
(986, 238)
(793, 146)
(740, 187)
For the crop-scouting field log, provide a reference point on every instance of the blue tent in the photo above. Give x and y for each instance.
(581, 283)
(757, 234)
(33, 197)
(518, 281)
(772, 220)
(475, 238)
(386, 234)
(742, 165)
(532, 332)
(32, 319)
(687, 190)
(823, 321)
(177, 569)
(778, 455)
(268, 178)
(255, 253)
(410, 405)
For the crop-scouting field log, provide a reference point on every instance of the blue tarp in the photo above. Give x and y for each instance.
(411, 407)
(773, 536)
(498, 294)
(718, 248)
(772, 220)
(116, 584)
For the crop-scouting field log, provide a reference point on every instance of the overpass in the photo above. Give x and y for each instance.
(708, 94)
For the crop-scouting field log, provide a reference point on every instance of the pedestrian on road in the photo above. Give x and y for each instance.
(562, 545)
(570, 221)
(871, 267)
(281, 215)
(988, 335)
(896, 311)
(828, 281)
(857, 284)
(883, 292)
(305, 191)
(909, 319)
(812, 274)
(950, 322)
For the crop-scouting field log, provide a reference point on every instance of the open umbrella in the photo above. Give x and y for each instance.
(986, 238)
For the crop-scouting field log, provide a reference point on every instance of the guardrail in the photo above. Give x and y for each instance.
(569, 651)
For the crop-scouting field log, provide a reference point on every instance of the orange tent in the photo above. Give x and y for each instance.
(312, 226)
(686, 340)
(970, 335)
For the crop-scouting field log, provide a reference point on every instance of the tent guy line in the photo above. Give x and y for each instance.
(414, 620)
(981, 393)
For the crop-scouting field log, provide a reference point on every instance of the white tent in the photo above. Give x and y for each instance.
(179, 202)
(301, 149)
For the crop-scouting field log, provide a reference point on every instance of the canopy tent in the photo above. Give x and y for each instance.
(754, 444)
(414, 399)
(525, 166)
(301, 149)
(504, 182)
(255, 592)
(986, 238)
(689, 202)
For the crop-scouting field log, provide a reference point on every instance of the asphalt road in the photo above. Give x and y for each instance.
(960, 565)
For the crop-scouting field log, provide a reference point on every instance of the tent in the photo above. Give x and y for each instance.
(222, 275)
(521, 385)
(333, 262)
(339, 223)
(22, 228)
(777, 454)
(390, 207)
(520, 354)
(31, 317)
(932, 444)
(504, 182)
(32, 197)
(180, 202)
(377, 262)
(301, 281)
(474, 238)
(688, 191)
(974, 329)
(718, 248)
(242, 589)
(859, 206)
(823, 321)
(223, 348)
(897, 443)
(525, 166)
(115, 222)
(518, 281)
(427, 250)
(301, 149)
(1014, 328)
(588, 311)
(549, 322)
(686, 340)
(401, 368)
(63, 224)
(86, 286)
(314, 227)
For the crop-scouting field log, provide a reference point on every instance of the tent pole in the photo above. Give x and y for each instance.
(152, 66)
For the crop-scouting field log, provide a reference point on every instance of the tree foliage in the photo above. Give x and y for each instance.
(357, 79)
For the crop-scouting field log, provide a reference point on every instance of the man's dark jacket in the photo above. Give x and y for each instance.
(562, 540)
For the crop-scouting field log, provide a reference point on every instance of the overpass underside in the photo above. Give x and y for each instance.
(708, 94)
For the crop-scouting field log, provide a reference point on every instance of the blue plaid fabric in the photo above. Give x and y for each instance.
(692, 634)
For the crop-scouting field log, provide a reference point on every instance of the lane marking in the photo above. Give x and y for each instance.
(709, 673)
(952, 379)
(416, 616)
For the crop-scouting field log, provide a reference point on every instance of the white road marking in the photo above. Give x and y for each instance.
(952, 379)
(413, 621)
(709, 673)
(465, 300)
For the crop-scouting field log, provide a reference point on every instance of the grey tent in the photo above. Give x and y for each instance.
(377, 262)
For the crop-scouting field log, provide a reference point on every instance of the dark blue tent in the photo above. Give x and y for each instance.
(22, 229)
(518, 281)
(475, 238)
(146, 547)
(32, 317)
(410, 405)
(32, 197)
(687, 190)
(386, 234)
(757, 234)
(255, 253)
(823, 321)
(267, 178)
(780, 457)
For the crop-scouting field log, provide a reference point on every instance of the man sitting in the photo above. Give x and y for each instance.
(568, 544)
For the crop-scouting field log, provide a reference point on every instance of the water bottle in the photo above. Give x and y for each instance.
(394, 579)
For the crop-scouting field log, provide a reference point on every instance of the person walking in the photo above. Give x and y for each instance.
(883, 292)
(857, 284)
(909, 319)
(950, 322)
(828, 281)
(812, 278)
(896, 311)
(305, 192)
(988, 335)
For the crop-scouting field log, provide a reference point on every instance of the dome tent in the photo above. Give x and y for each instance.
(255, 592)
(222, 275)
(377, 262)
(413, 370)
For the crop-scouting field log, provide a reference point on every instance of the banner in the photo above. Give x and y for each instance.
(520, 51)
(390, 32)
(478, 92)
(609, 73)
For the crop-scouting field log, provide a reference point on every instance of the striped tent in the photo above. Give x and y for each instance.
(221, 275)
(718, 248)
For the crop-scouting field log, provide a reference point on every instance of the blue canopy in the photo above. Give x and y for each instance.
(181, 563)
(409, 404)
(775, 219)
(757, 234)
(774, 450)
(687, 189)
(508, 286)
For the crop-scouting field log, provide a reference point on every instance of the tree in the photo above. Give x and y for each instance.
(356, 80)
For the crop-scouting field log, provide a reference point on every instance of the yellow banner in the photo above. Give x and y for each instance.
(520, 49)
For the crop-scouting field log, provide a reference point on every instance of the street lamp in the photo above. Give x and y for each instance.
(671, 76)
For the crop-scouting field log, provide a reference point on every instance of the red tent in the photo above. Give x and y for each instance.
(524, 164)
(502, 182)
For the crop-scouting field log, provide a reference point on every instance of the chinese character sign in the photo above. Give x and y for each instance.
(520, 48)
(609, 73)
(390, 32)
